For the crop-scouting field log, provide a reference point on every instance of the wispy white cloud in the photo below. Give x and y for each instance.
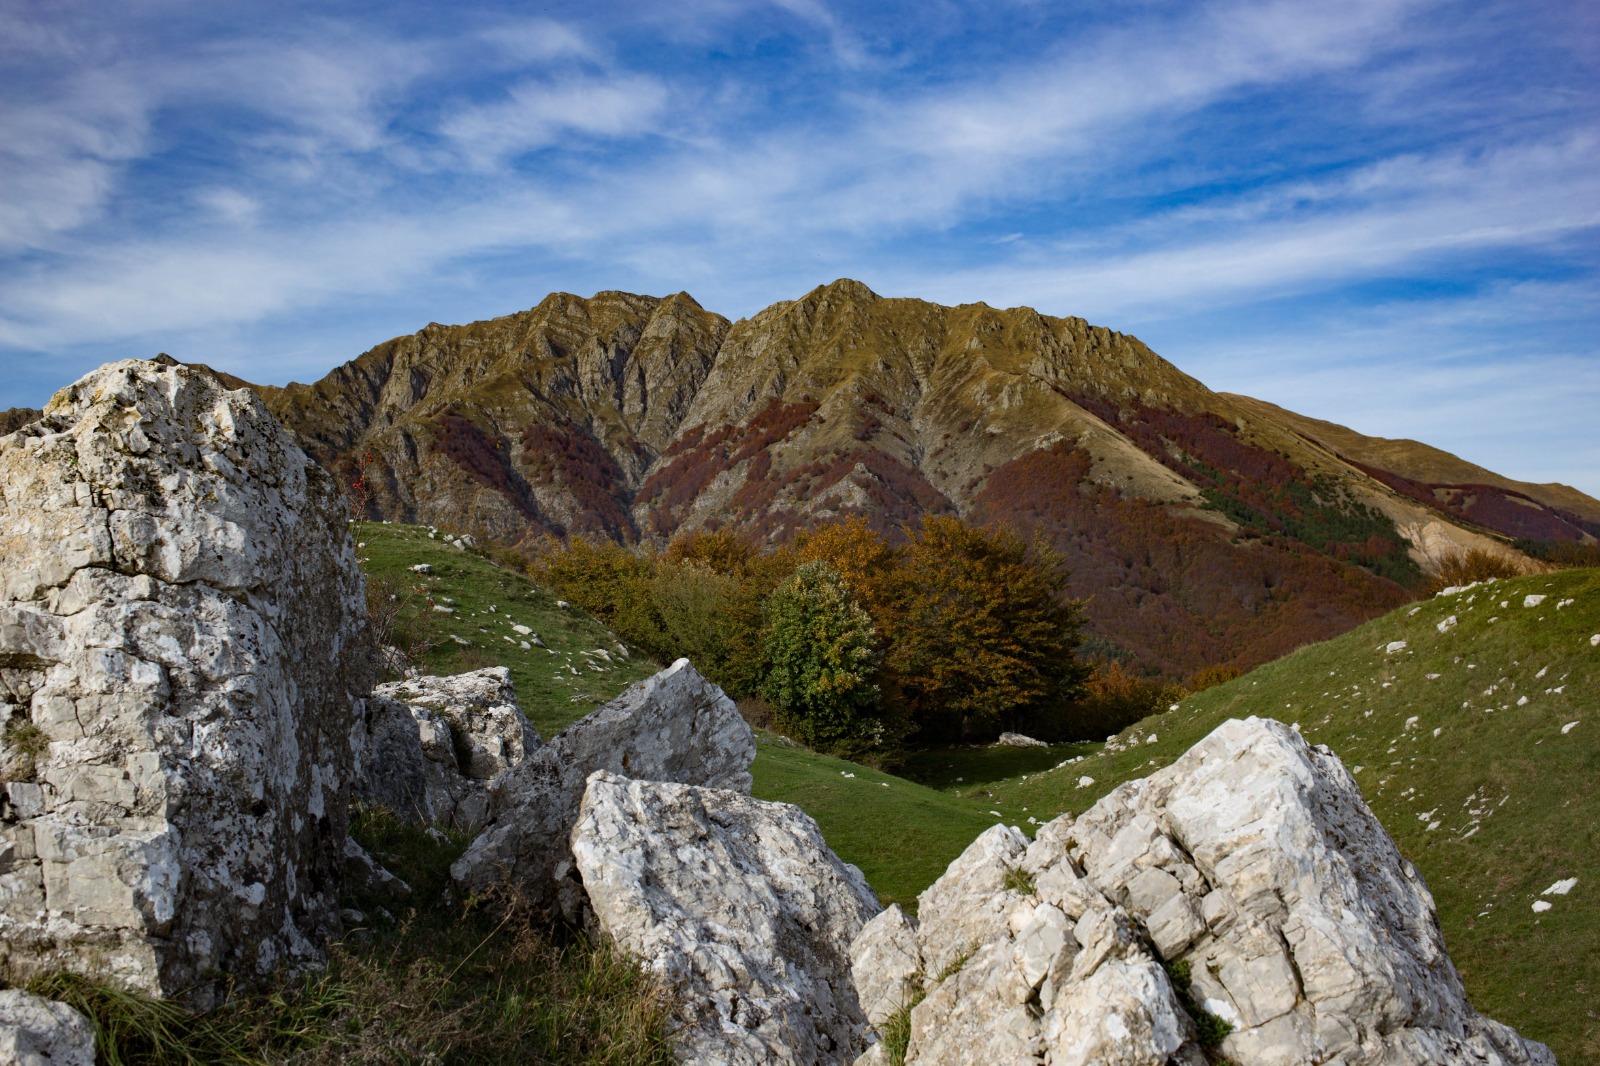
(537, 113)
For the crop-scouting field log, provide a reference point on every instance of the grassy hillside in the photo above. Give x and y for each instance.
(580, 665)
(902, 835)
(1463, 743)
(1483, 791)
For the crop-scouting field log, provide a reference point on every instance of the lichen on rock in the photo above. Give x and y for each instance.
(739, 904)
(181, 626)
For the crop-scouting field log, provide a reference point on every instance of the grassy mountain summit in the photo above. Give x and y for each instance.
(1204, 528)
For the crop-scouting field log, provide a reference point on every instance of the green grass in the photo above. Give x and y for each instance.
(1537, 972)
(902, 835)
(556, 686)
(1514, 797)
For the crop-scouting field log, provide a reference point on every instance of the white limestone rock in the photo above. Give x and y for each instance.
(887, 964)
(739, 905)
(1019, 740)
(181, 617)
(35, 1031)
(1253, 860)
(429, 748)
(674, 726)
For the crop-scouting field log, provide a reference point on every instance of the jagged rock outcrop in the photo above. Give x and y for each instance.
(429, 747)
(182, 644)
(539, 421)
(35, 1031)
(1253, 864)
(739, 905)
(675, 726)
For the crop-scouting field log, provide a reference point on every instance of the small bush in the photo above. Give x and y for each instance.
(1212, 676)
(25, 744)
(822, 659)
(401, 617)
(1115, 697)
(1019, 881)
(1476, 564)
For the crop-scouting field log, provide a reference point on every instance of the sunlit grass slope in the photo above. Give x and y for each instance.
(902, 835)
(581, 664)
(1464, 743)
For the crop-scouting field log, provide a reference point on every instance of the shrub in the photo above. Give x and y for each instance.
(1114, 697)
(401, 617)
(24, 744)
(1476, 564)
(1212, 676)
(821, 659)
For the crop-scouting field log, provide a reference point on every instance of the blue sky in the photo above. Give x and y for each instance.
(1384, 214)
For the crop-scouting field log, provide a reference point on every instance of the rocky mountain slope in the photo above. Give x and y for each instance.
(1204, 527)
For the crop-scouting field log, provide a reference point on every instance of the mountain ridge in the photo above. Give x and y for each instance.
(1204, 528)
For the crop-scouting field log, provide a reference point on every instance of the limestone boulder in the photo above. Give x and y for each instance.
(429, 748)
(35, 1031)
(739, 905)
(675, 726)
(182, 647)
(1252, 866)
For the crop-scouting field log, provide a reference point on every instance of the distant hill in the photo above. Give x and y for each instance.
(1204, 528)
(14, 418)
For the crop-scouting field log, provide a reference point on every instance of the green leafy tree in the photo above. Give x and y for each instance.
(983, 638)
(822, 658)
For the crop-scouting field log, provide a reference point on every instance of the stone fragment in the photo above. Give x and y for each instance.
(365, 874)
(739, 905)
(428, 748)
(1017, 740)
(674, 726)
(35, 1031)
(1253, 862)
(182, 620)
(886, 964)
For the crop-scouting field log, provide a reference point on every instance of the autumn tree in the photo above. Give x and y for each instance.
(864, 561)
(821, 662)
(611, 582)
(982, 637)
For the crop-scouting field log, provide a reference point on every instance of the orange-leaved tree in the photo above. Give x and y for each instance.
(981, 637)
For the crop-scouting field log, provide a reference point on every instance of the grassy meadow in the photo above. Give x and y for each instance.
(1461, 740)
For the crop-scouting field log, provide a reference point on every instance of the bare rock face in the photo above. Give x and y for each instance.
(739, 905)
(182, 643)
(35, 1031)
(674, 726)
(428, 747)
(1254, 864)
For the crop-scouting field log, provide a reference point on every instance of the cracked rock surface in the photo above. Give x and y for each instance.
(1253, 863)
(429, 748)
(35, 1031)
(674, 726)
(182, 644)
(740, 906)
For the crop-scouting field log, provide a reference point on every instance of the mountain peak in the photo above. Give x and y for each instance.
(844, 288)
